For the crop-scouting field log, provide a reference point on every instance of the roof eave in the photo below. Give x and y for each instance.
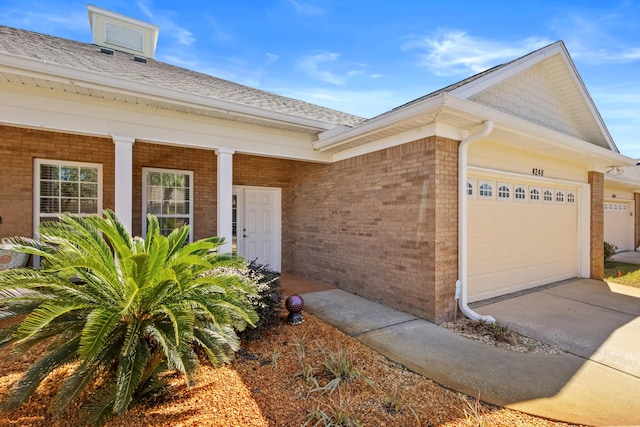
(42, 69)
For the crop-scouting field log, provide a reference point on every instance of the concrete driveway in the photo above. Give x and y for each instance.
(589, 318)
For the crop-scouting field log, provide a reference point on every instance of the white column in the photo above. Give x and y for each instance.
(225, 196)
(124, 179)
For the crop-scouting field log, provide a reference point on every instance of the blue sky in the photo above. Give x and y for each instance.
(366, 57)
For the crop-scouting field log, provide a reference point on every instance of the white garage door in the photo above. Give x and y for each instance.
(520, 235)
(618, 225)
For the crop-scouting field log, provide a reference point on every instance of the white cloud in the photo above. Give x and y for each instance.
(306, 9)
(271, 58)
(454, 52)
(313, 66)
(168, 28)
(62, 22)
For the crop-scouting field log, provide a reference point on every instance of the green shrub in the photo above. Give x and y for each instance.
(268, 300)
(136, 309)
(609, 250)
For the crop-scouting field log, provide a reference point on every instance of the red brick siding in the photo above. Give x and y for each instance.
(18, 149)
(596, 181)
(383, 225)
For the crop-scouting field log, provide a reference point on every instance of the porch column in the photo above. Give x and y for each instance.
(225, 197)
(596, 182)
(124, 179)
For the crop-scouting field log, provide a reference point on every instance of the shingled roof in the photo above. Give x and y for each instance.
(88, 57)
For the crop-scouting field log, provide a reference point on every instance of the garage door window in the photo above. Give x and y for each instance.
(486, 190)
(571, 197)
(471, 184)
(559, 196)
(520, 193)
(547, 195)
(534, 194)
(504, 191)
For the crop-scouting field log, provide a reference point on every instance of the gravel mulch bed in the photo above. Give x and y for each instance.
(281, 380)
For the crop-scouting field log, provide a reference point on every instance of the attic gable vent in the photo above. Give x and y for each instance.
(119, 32)
(124, 37)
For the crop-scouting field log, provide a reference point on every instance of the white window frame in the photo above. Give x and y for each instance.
(544, 199)
(524, 192)
(37, 180)
(188, 216)
(501, 189)
(560, 194)
(538, 192)
(492, 187)
(571, 197)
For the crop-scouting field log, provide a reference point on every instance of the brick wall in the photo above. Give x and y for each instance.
(203, 164)
(19, 147)
(596, 181)
(382, 225)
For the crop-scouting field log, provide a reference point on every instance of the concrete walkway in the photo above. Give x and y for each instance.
(630, 257)
(596, 383)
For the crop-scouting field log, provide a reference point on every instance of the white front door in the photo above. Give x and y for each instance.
(256, 228)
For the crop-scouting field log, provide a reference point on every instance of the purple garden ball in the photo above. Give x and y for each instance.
(294, 304)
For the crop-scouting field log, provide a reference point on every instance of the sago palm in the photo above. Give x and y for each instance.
(127, 309)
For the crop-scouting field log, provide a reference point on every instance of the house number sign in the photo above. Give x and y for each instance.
(537, 172)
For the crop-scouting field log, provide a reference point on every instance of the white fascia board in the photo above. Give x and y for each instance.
(91, 79)
(433, 129)
(628, 183)
(495, 77)
(600, 155)
(328, 140)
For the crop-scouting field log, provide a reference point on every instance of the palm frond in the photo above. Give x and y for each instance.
(42, 316)
(100, 323)
(131, 365)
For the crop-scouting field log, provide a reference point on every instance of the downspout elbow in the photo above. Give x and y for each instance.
(461, 283)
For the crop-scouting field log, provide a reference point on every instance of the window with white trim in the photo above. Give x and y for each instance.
(571, 197)
(520, 193)
(504, 191)
(547, 195)
(485, 190)
(66, 187)
(559, 196)
(534, 194)
(168, 195)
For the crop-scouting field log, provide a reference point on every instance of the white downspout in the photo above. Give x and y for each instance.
(461, 283)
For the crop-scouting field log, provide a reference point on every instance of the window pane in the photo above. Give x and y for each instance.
(70, 206)
(49, 205)
(168, 179)
(68, 173)
(154, 207)
(49, 188)
(154, 178)
(88, 206)
(89, 190)
(69, 189)
(89, 175)
(49, 172)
